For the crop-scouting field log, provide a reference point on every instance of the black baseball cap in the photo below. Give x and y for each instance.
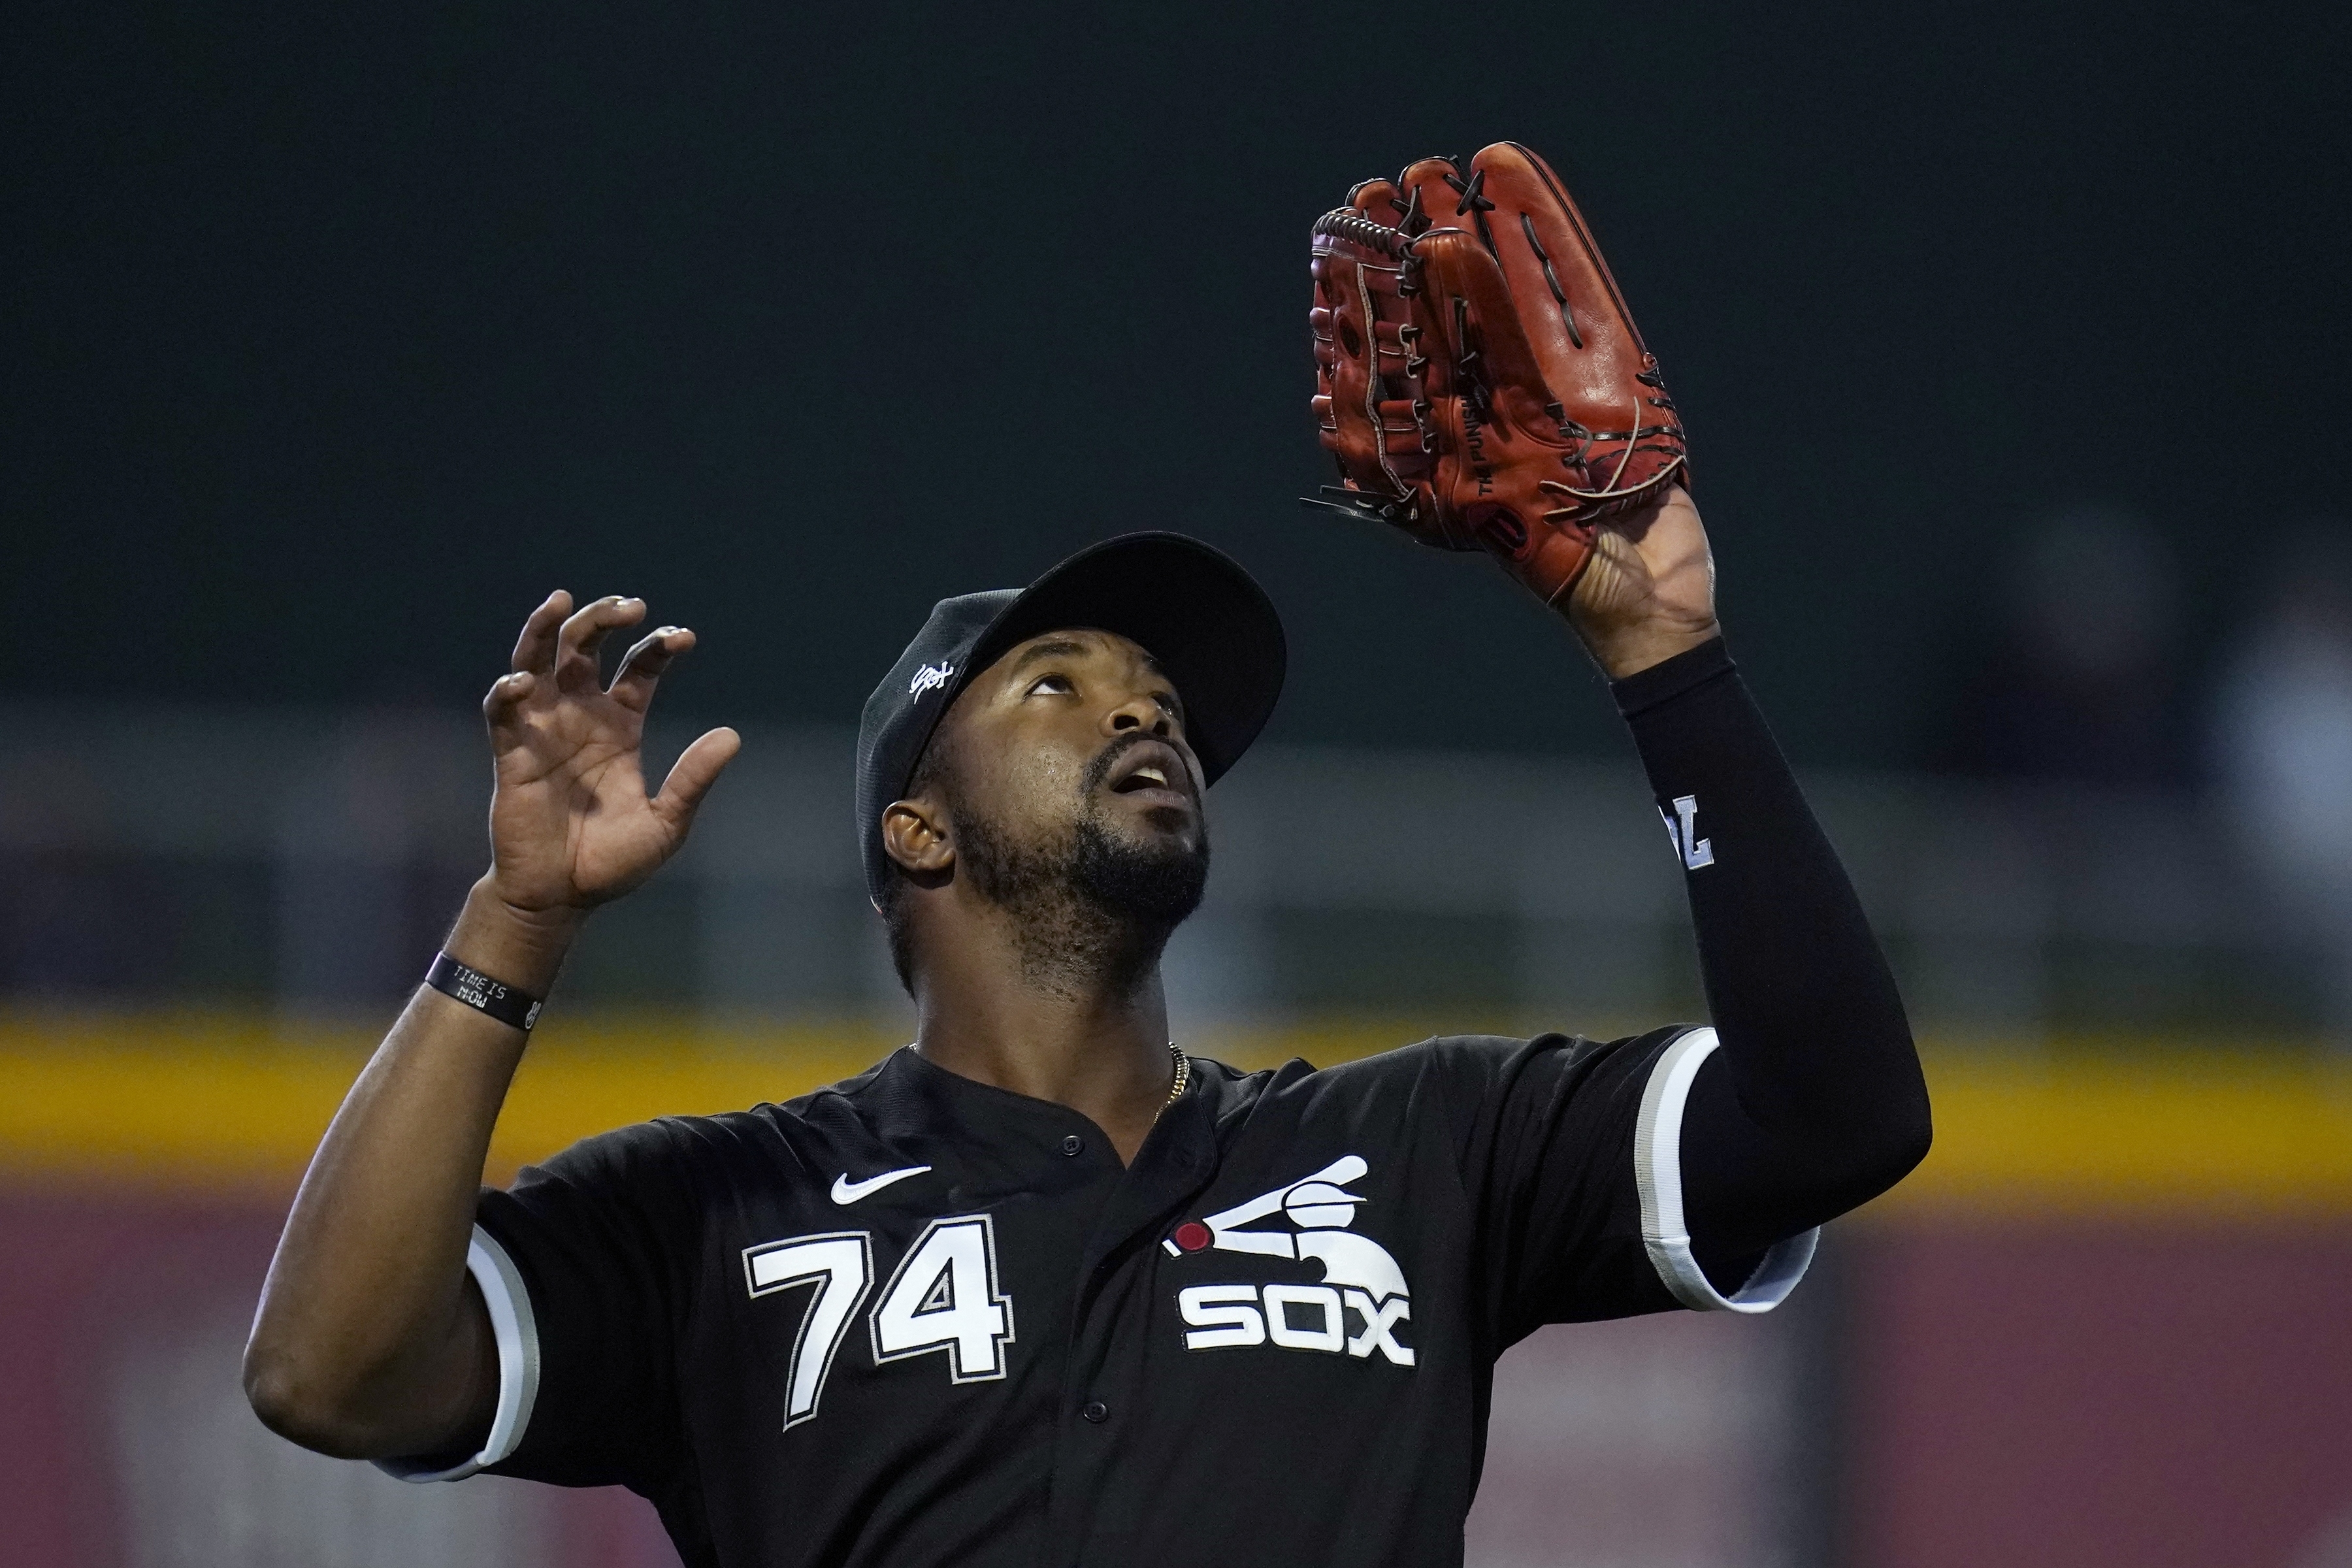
(1190, 607)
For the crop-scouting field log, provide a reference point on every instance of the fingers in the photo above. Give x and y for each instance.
(582, 634)
(534, 656)
(535, 649)
(508, 693)
(692, 776)
(633, 684)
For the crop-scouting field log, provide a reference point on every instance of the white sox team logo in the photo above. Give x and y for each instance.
(1360, 1279)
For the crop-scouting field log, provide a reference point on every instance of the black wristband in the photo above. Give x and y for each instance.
(484, 994)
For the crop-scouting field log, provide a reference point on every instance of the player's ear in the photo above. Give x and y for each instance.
(915, 835)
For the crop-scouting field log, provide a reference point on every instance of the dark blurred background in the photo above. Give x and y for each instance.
(2010, 341)
(335, 337)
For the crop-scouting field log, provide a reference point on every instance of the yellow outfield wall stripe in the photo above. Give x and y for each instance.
(223, 1099)
(2157, 1129)
(207, 1101)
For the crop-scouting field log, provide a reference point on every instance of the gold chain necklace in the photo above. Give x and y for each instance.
(1183, 1076)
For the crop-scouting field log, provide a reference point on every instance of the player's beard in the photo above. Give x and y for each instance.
(1152, 886)
(1094, 906)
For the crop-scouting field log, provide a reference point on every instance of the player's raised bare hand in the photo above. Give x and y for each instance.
(1648, 589)
(572, 823)
(369, 1341)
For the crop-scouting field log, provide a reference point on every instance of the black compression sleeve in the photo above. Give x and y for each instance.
(1814, 1102)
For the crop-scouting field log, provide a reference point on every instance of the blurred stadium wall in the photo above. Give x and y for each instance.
(2102, 1324)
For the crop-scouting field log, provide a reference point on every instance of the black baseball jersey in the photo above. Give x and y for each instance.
(913, 1319)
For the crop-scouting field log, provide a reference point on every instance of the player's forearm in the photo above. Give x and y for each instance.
(370, 1341)
(1815, 1102)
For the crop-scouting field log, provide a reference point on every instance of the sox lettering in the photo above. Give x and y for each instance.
(1360, 1277)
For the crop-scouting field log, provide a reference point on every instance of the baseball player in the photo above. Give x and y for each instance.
(1043, 1288)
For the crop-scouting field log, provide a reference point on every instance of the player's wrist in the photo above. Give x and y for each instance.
(1629, 650)
(515, 944)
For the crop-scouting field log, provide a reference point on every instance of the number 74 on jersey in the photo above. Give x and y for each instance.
(944, 1296)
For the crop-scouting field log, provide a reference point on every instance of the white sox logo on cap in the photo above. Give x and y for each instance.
(930, 678)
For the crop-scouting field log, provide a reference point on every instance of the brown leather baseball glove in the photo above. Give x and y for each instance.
(1479, 376)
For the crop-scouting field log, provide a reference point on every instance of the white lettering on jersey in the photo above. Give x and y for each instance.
(1360, 1276)
(946, 1296)
(1696, 852)
(841, 1264)
(1224, 1315)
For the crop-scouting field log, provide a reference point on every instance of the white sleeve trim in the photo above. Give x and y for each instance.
(517, 1332)
(1658, 1174)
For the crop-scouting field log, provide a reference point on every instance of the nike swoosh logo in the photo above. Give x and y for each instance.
(846, 1190)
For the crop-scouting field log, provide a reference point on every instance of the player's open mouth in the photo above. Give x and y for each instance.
(1152, 772)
